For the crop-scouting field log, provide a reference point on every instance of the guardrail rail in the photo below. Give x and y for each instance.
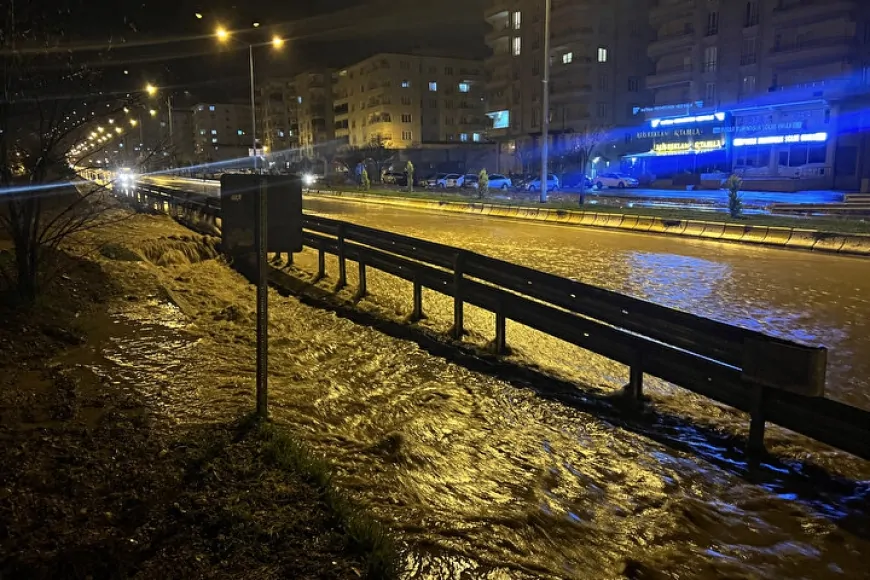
(772, 379)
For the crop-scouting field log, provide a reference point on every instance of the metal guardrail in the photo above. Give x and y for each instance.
(772, 379)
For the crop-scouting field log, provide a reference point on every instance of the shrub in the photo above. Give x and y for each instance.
(735, 200)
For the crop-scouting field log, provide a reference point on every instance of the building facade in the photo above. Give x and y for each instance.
(598, 65)
(314, 115)
(222, 132)
(277, 120)
(773, 90)
(405, 101)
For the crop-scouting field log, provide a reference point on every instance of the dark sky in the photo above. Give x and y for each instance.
(163, 42)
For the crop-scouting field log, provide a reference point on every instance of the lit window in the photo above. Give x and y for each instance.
(200, 108)
(464, 87)
(568, 58)
(298, 99)
(281, 133)
(406, 135)
(202, 131)
(214, 131)
(518, 20)
(406, 84)
(211, 107)
(433, 86)
(214, 139)
(602, 54)
(463, 136)
(475, 137)
(240, 132)
(518, 45)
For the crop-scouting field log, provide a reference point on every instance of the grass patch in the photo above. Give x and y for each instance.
(560, 201)
(367, 537)
(120, 253)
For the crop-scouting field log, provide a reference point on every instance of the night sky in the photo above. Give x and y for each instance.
(162, 41)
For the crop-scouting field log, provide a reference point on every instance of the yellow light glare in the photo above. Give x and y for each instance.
(277, 41)
(133, 122)
(198, 15)
(152, 112)
(222, 33)
(150, 89)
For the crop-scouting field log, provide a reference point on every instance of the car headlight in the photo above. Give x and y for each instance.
(308, 179)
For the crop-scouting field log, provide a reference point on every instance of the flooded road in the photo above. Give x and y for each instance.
(812, 298)
(480, 478)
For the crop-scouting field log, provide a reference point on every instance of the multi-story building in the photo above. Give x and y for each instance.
(597, 67)
(314, 110)
(277, 111)
(222, 132)
(406, 101)
(770, 89)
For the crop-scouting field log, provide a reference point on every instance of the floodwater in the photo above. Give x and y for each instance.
(485, 479)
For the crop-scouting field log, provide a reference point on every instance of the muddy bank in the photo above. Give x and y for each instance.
(98, 478)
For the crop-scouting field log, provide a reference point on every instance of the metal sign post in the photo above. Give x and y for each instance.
(262, 301)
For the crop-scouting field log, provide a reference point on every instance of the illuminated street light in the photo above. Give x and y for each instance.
(111, 121)
(152, 112)
(100, 130)
(222, 34)
(198, 15)
(277, 41)
(126, 110)
(256, 25)
(150, 89)
(118, 130)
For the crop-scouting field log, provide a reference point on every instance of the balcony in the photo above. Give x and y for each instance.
(493, 36)
(579, 65)
(567, 36)
(672, 42)
(666, 10)
(565, 91)
(812, 49)
(497, 9)
(811, 10)
(568, 11)
(672, 75)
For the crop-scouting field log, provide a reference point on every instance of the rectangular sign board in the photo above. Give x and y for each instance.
(239, 197)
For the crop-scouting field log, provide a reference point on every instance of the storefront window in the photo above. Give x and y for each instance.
(817, 154)
(797, 156)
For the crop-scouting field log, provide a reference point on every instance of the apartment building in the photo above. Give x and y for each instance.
(222, 131)
(598, 64)
(314, 110)
(277, 120)
(772, 89)
(409, 100)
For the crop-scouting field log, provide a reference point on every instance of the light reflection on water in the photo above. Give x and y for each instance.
(483, 479)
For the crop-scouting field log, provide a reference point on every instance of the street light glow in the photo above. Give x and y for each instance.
(198, 15)
(150, 89)
(222, 34)
(100, 130)
(277, 41)
(118, 130)
(256, 25)
(152, 112)
(133, 122)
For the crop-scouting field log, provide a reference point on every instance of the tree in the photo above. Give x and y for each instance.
(409, 172)
(365, 182)
(53, 123)
(378, 153)
(584, 145)
(735, 200)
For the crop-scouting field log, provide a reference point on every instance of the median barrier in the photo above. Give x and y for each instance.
(754, 234)
(694, 228)
(828, 242)
(608, 220)
(803, 239)
(588, 218)
(528, 213)
(674, 227)
(777, 236)
(499, 211)
(576, 217)
(856, 244)
(629, 222)
(644, 223)
(733, 232)
(543, 214)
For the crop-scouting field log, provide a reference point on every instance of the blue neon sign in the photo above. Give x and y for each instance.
(781, 139)
(691, 120)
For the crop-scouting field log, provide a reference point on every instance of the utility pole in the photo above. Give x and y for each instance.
(545, 104)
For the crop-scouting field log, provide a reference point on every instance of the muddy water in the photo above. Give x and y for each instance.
(481, 479)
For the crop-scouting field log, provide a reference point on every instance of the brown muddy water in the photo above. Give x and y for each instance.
(484, 479)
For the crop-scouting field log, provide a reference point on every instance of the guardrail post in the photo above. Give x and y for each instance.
(362, 291)
(635, 379)
(321, 262)
(457, 330)
(342, 263)
(417, 311)
(500, 332)
(757, 421)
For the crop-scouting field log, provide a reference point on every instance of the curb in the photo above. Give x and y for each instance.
(779, 237)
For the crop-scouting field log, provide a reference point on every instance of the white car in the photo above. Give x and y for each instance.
(535, 184)
(499, 181)
(449, 180)
(617, 180)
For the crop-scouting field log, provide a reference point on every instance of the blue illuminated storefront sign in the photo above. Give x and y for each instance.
(781, 139)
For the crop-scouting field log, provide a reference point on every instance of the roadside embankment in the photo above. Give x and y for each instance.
(725, 231)
(100, 478)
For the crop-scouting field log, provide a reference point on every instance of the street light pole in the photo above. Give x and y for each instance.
(253, 108)
(545, 104)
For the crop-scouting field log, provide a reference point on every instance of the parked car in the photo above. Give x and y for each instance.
(535, 183)
(449, 180)
(576, 179)
(617, 180)
(432, 180)
(391, 177)
(499, 181)
(469, 181)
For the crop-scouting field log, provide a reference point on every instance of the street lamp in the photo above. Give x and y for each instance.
(223, 35)
(150, 89)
